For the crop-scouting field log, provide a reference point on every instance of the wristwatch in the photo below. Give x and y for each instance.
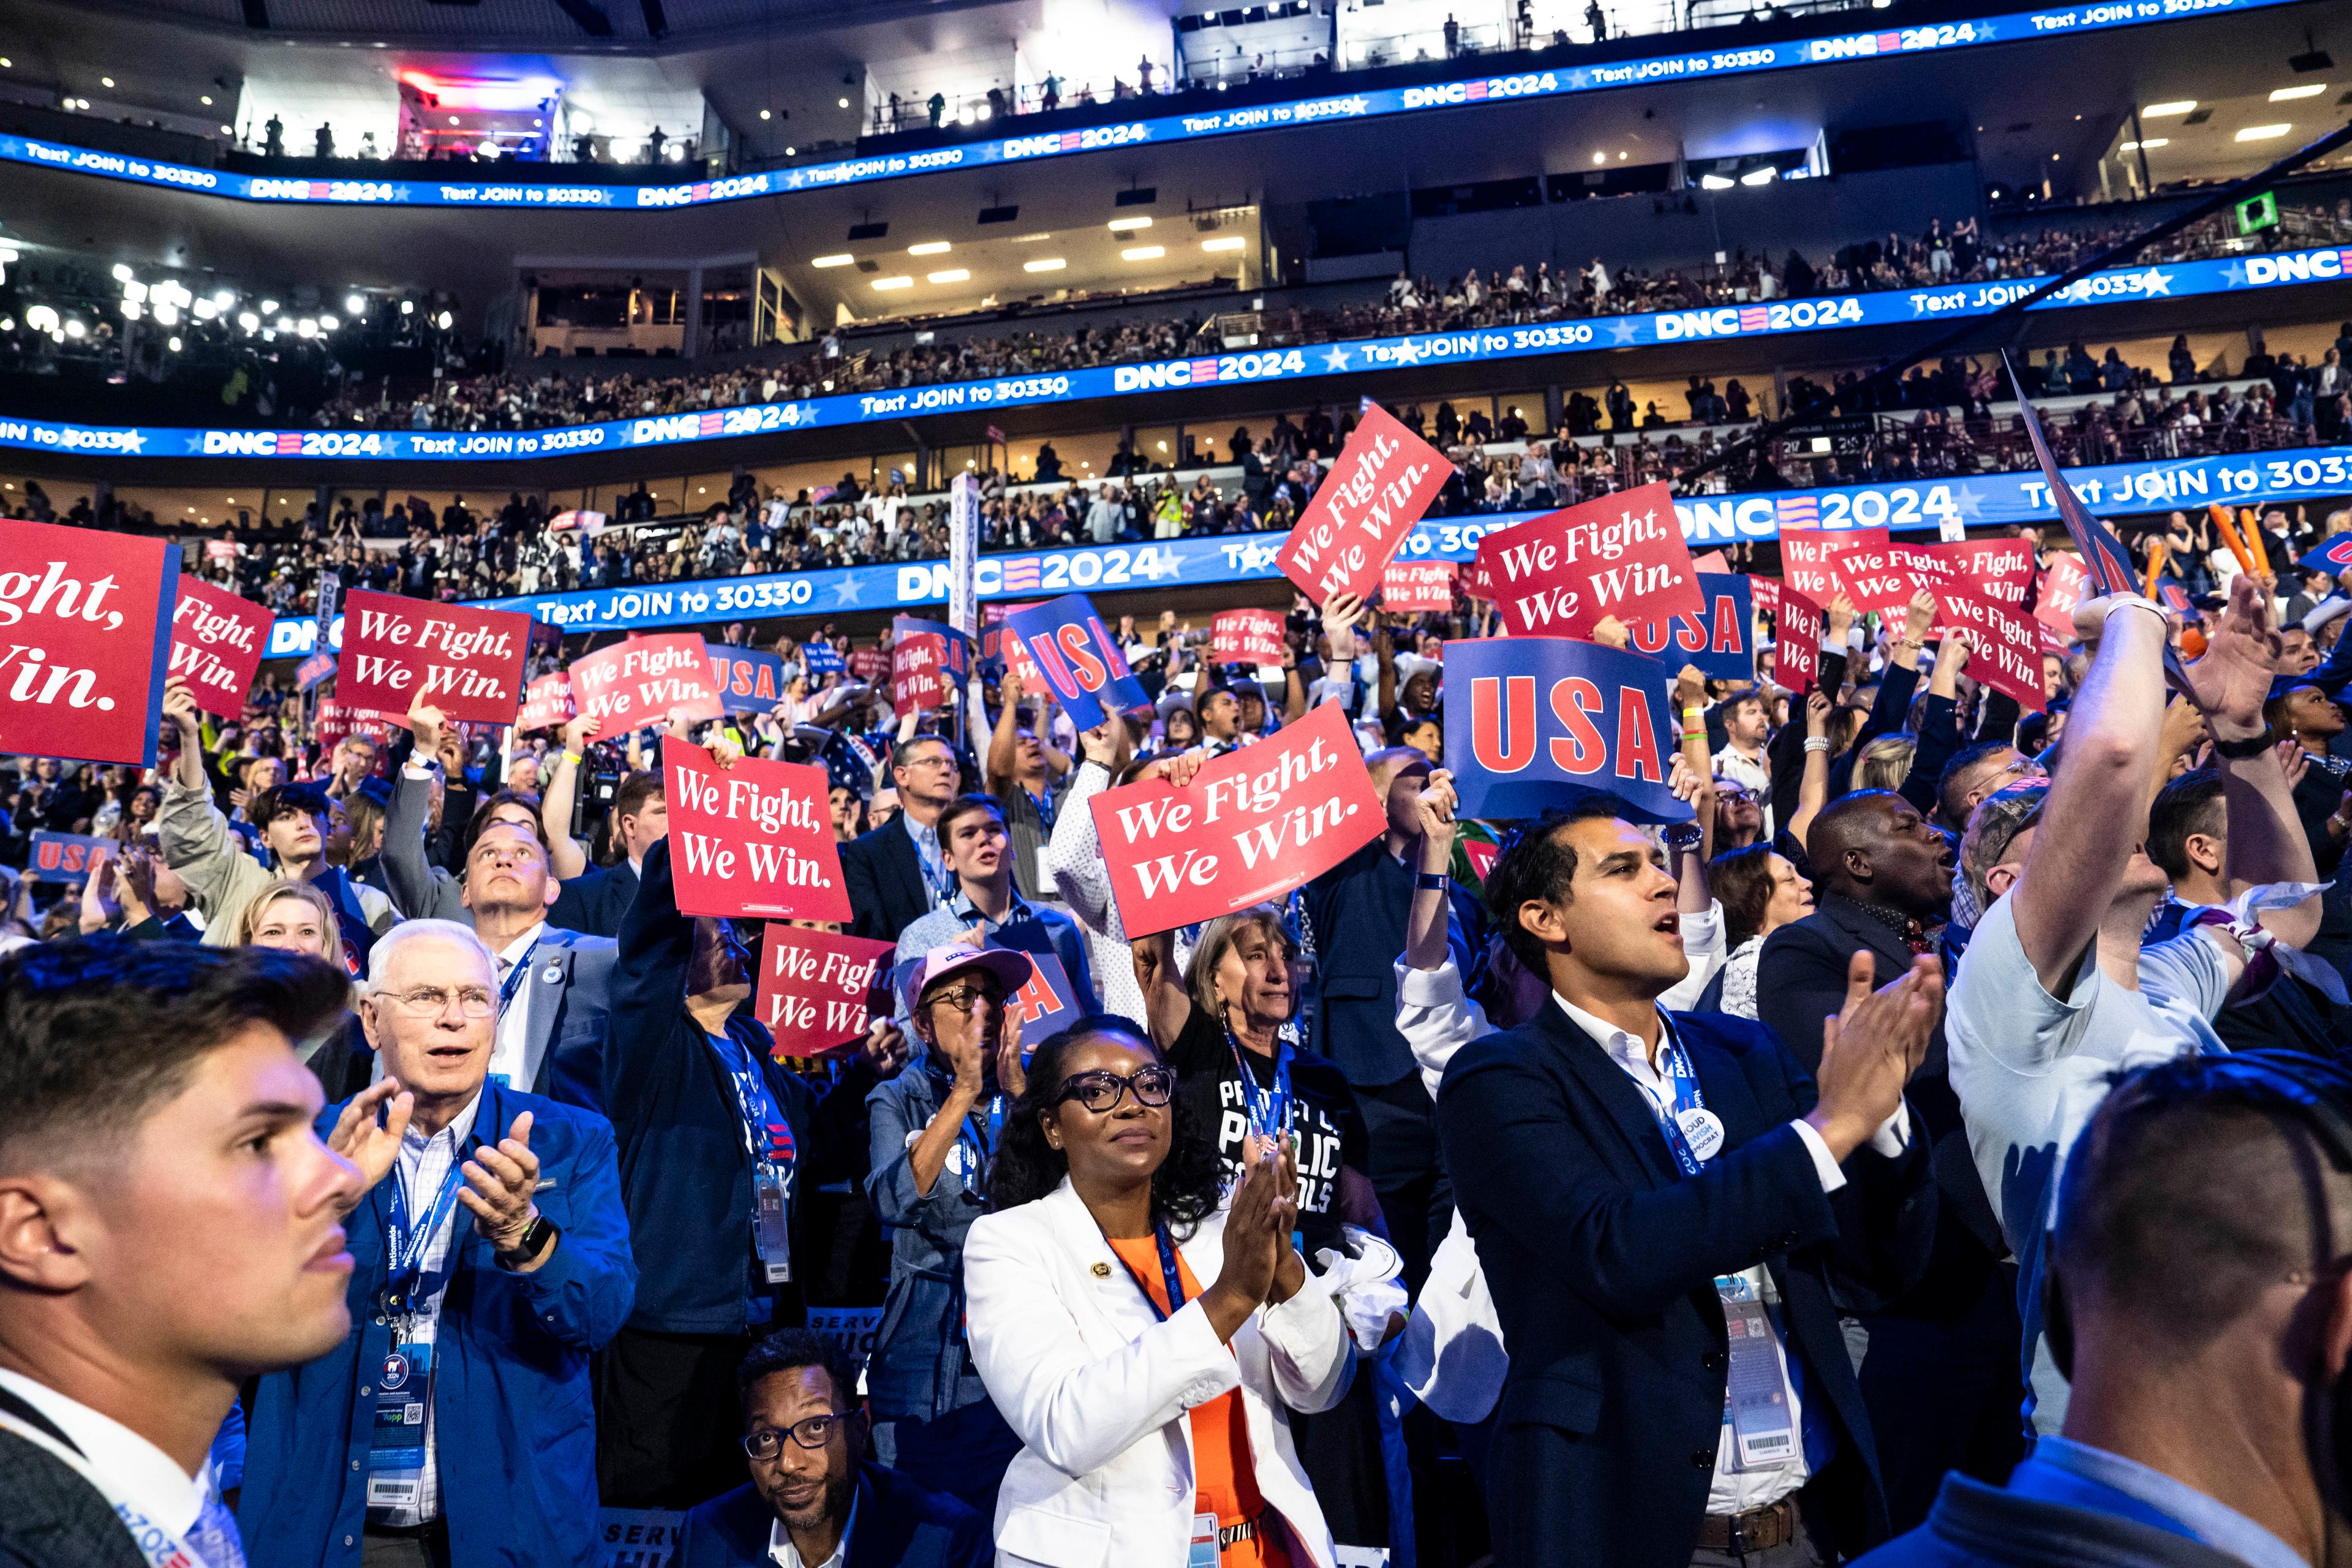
(535, 1237)
(1683, 836)
(2239, 750)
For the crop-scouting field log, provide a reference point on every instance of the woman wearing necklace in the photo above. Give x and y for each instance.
(1143, 1340)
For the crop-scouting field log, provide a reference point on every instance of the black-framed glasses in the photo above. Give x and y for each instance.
(1101, 1091)
(812, 1432)
(965, 999)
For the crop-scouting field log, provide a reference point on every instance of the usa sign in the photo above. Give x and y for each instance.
(1528, 718)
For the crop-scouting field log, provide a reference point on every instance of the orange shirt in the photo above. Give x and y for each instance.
(1224, 1483)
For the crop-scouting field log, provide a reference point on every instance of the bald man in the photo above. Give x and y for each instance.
(1939, 1364)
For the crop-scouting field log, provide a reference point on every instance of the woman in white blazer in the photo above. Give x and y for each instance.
(1100, 1382)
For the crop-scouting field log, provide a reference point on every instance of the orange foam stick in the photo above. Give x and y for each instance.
(2154, 566)
(2222, 520)
(2254, 529)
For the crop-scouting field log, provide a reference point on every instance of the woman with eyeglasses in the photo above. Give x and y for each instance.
(1144, 1340)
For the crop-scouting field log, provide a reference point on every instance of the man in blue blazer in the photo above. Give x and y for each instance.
(453, 1426)
(810, 1491)
(895, 875)
(1658, 1203)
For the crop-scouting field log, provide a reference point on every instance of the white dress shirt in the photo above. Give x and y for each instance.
(784, 1555)
(139, 1472)
(418, 1168)
(511, 1054)
(1734, 1492)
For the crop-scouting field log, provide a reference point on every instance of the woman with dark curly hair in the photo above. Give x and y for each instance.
(1143, 1339)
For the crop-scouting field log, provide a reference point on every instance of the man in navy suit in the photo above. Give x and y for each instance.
(895, 875)
(811, 1499)
(1658, 1203)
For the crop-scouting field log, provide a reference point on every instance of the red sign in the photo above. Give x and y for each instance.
(1806, 557)
(2063, 586)
(88, 619)
(752, 840)
(919, 677)
(1252, 825)
(400, 652)
(819, 989)
(2000, 569)
(218, 641)
(1385, 478)
(868, 664)
(1416, 586)
(1246, 636)
(1620, 555)
(547, 702)
(2004, 645)
(1766, 591)
(1867, 572)
(1797, 641)
(337, 720)
(638, 683)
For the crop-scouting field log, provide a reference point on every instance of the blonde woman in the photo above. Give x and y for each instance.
(293, 917)
(1886, 762)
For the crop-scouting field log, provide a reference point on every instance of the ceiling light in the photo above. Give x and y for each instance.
(1763, 176)
(1143, 253)
(2151, 142)
(75, 329)
(205, 310)
(845, 103)
(765, 115)
(354, 305)
(42, 318)
(284, 324)
(207, 100)
(1118, 225)
(952, 275)
(1025, 238)
(408, 307)
(167, 315)
(884, 285)
(328, 323)
(2182, 107)
(2287, 94)
(270, 306)
(228, 130)
(1713, 183)
(831, 260)
(6, 63)
(1044, 264)
(134, 292)
(173, 344)
(930, 248)
(1601, 157)
(248, 320)
(791, 150)
(1234, 242)
(122, 273)
(131, 309)
(443, 320)
(2262, 133)
(106, 82)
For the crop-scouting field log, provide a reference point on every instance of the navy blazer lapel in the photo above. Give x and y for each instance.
(1620, 1097)
(1725, 1087)
(551, 973)
(1890, 954)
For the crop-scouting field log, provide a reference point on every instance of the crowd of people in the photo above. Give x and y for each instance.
(1932, 1151)
(416, 375)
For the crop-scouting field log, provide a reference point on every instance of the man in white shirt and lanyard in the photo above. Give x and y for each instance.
(1660, 1203)
(170, 1225)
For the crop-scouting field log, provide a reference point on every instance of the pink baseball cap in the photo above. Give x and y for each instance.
(1011, 969)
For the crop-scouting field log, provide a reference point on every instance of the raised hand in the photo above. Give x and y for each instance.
(424, 721)
(2240, 656)
(1871, 1048)
(358, 1136)
(499, 1183)
(581, 729)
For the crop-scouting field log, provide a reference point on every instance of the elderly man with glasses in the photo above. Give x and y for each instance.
(932, 1130)
(812, 1500)
(452, 1427)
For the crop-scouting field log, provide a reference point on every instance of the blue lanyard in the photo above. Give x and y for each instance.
(769, 1142)
(1674, 1065)
(517, 975)
(1168, 1274)
(984, 1144)
(406, 1244)
(1269, 1105)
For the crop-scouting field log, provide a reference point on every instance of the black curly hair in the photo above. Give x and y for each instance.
(1184, 1190)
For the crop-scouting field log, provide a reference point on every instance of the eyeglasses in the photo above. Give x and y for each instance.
(965, 999)
(1102, 1091)
(428, 1000)
(814, 1432)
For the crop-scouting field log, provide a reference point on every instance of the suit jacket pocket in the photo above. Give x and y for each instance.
(1043, 1536)
(1565, 1400)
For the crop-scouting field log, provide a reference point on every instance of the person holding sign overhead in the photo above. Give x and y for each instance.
(934, 1127)
(1144, 1337)
(719, 1144)
(1659, 1203)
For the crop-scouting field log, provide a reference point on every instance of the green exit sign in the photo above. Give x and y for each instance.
(2258, 213)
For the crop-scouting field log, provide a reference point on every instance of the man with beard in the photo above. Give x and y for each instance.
(1938, 1364)
(811, 1499)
